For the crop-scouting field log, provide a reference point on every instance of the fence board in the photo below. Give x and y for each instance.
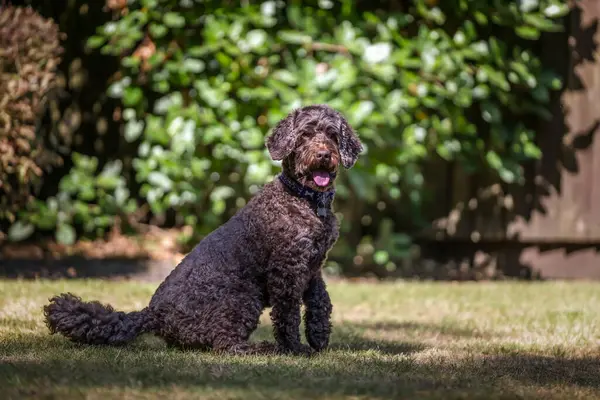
(567, 191)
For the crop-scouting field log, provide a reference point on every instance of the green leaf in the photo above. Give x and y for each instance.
(65, 234)
(532, 151)
(20, 231)
(481, 18)
(557, 9)
(542, 23)
(508, 175)
(528, 32)
(174, 20)
(381, 257)
(160, 180)
(157, 31)
(132, 96)
(285, 77)
(130, 62)
(133, 130)
(108, 182)
(497, 78)
(95, 41)
(218, 207)
(193, 65)
(347, 77)
(156, 59)
(115, 90)
(200, 51)
(361, 111)
(222, 193)
(490, 112)
(494, 160)
(256, 38)
(294, 37)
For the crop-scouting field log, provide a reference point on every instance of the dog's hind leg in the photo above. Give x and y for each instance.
(223, 326)
(231, 331)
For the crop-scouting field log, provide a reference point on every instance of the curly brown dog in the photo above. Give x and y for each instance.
(269, 254)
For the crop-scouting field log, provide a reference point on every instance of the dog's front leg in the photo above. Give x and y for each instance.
(318, 314)
(285, 293)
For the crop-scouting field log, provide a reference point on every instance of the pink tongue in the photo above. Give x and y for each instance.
(321, 178)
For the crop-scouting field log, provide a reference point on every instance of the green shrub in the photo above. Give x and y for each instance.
(203, 83)
(88, 197)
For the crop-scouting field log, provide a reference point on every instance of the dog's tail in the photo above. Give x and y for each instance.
(93, 322)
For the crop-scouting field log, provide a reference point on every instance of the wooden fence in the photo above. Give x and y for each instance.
(550, 227)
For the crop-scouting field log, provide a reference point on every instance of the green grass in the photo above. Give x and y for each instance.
(403, 340)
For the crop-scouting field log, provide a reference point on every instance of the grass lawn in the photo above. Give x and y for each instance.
(401, 340)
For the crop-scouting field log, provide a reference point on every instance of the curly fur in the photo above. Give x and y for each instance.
(94, 323)
(267, 255)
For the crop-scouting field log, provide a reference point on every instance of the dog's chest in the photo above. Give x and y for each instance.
(306, 232)
(323, 236)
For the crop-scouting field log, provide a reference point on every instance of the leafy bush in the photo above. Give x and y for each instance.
(202, 84)
(30, 52)
(88, 198)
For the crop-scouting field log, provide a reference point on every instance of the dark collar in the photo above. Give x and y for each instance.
(321, 200)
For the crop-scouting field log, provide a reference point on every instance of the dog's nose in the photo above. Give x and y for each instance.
(323, 155)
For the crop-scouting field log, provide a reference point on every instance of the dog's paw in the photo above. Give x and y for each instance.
(319, 346)
(318, 340)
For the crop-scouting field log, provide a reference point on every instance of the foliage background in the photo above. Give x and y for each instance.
(200, 83)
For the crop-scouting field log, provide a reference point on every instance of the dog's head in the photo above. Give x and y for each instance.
(312, 142)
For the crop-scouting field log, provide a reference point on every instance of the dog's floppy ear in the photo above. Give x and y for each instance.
(283, 139)
(350, 146)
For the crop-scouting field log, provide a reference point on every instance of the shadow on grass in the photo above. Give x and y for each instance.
(365, 336)
(351, 337)
(44, 365)
(445, 329)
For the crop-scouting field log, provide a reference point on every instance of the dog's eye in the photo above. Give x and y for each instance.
(332, 135)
